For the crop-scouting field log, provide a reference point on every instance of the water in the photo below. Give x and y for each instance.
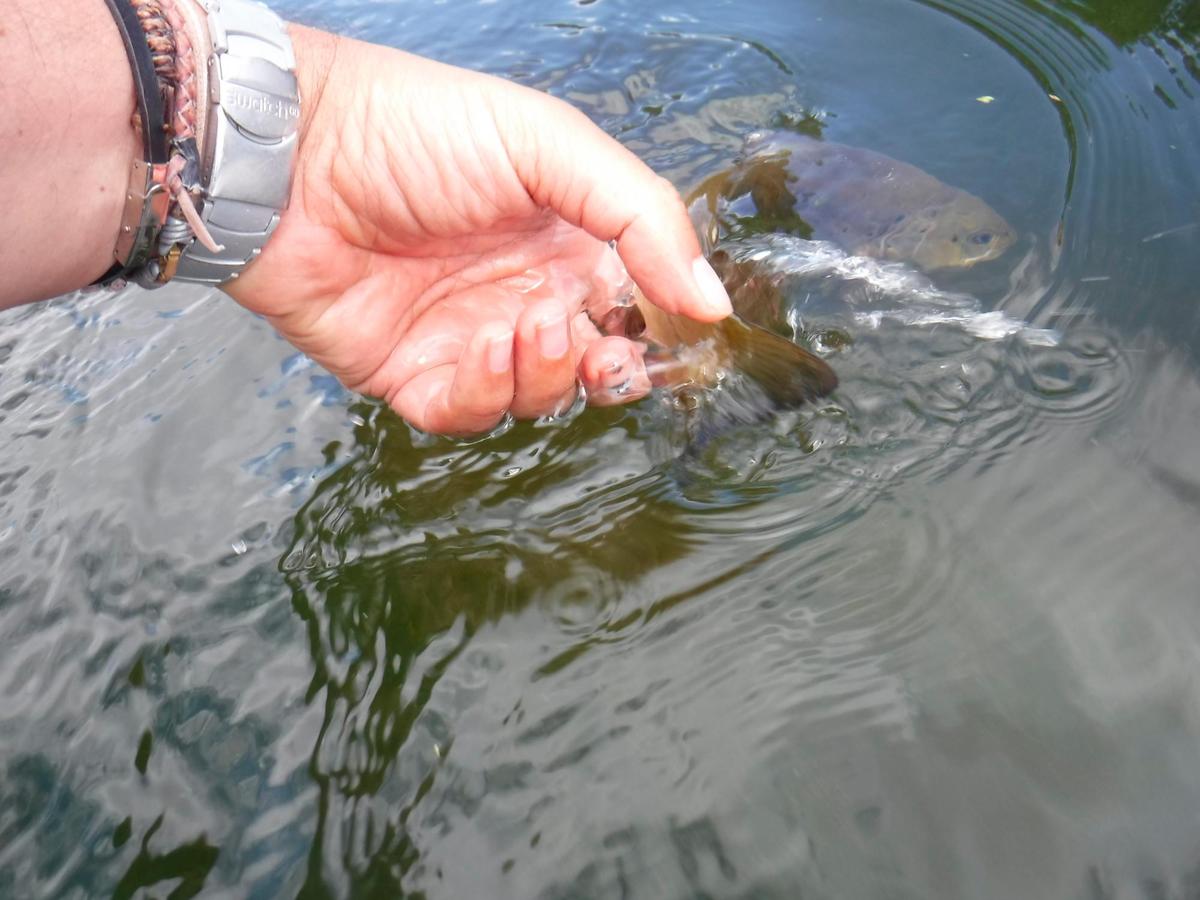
(935, 636)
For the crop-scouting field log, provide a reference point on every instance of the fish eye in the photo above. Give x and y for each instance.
(982, 237)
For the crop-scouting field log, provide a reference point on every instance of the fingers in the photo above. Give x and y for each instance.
(529, 371)
(469, 397)
(569, 165)
(544, 361)
(613, 372)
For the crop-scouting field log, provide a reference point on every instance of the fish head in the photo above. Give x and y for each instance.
(954, 234)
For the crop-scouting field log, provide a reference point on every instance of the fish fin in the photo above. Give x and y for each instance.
(753, 291)
(787, 372)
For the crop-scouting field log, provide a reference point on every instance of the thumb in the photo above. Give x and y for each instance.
(569, 165)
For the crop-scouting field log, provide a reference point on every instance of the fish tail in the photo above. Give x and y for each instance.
(790, 374)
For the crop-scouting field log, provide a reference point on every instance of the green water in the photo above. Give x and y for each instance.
(935, 637)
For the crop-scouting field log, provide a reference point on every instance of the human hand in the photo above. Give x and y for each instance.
(448, 233)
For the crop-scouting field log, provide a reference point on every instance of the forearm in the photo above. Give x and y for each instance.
(66, 143)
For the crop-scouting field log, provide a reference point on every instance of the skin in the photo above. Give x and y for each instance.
(423, 198)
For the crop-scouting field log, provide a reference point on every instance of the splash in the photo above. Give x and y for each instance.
(877, 291)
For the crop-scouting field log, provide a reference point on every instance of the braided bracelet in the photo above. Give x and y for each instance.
(167, 36)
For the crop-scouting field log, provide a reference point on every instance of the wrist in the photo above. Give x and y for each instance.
(316, 53)
(106, 137)
(66, 139)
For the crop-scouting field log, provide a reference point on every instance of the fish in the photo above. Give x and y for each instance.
(866, 203)
(682, 353)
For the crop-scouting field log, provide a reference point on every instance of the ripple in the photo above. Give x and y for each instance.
(1113, 107)
(825, 655)
(1087, 377)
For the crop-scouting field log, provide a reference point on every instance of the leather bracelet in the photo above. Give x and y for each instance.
(145, 81)
(139, 222)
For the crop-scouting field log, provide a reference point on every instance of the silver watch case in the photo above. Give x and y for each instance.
(250, 147)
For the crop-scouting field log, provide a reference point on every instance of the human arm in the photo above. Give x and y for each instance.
(66, 103)
(446, 234)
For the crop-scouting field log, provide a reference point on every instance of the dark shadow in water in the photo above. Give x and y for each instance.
(1169, 28)
(1129, 21)
(189, 863)
(379, 602)
(35, 801)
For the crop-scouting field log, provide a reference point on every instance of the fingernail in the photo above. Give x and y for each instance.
(499, 353)
(614, 374)
(716, 299)
(634, 387)
(553, 339)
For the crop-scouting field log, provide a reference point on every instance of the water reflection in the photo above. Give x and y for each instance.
(1174, 20)
(400, 558)
(186, 867)
(387, 625)
(413, 566)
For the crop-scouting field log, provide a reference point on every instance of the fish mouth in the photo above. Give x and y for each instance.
(970, 262)
(959, 258)
(623, 319)
(991, 254)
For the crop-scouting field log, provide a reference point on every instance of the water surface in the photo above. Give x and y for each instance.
(936, 636)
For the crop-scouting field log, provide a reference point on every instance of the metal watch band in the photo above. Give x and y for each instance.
(250, 147)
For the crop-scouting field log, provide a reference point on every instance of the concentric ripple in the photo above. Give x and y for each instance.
(1126, 101)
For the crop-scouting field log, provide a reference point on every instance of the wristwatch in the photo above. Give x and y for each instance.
(250, 140)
